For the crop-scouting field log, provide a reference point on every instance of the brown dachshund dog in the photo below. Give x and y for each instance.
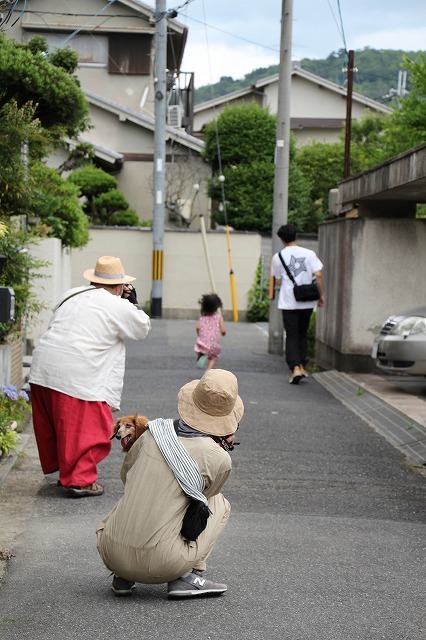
(128, 429)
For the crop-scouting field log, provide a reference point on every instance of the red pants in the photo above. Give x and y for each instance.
(72, 435)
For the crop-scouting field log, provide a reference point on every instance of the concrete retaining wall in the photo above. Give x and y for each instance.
(372, 268)
(186, 275)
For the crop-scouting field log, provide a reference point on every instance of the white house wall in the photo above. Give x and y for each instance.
(309, 99)
(42, 16)
(109, 130)
(55, 279)
(125, 90)
(186, 275)
(123, 136)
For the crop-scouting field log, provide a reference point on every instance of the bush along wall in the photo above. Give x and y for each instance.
(258, 300)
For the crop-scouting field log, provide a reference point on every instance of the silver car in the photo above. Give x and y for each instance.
(400, 346)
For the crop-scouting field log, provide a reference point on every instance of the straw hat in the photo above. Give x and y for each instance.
(108, 270)
(212, 405)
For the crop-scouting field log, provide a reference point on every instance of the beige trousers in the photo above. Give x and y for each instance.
(169, 559)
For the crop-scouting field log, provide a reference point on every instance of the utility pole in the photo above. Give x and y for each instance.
(348, 130)
(282, 159)
(160, 86)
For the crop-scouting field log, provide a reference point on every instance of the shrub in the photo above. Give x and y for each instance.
(14, 407)
(19, 272)
(258, 300)
(311, 340)
(127, 218)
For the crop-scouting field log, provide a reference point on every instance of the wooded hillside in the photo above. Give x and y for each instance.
(376, 75)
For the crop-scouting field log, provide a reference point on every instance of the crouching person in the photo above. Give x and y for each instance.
(140, 540)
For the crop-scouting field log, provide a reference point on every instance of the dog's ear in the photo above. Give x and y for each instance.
(141, 422)
(140, 425)
(115, 428)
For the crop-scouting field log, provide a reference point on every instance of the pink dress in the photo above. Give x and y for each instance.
(208, 336)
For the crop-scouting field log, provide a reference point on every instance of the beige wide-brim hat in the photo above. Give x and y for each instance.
(108, 270)
(212, 405)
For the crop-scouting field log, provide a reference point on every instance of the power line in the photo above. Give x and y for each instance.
(110, 3)
(233, 35)
(10, 5)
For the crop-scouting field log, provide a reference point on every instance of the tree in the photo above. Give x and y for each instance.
(18, 124)
(246, 134)
(367, 141)
(31, 75)
(113, 209)
(374, 139)
(406, 127)
(247, 137)
(58, 207)
(104, 204)
(40, 103)
(322, 163)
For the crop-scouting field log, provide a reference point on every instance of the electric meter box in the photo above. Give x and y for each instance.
(7, 304)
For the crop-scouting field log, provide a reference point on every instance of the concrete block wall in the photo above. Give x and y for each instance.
(186, 273)
(373, 267)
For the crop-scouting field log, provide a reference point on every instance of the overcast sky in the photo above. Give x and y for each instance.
(234, 37)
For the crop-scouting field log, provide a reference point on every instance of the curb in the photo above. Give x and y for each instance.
(7, 463)
(404, 433)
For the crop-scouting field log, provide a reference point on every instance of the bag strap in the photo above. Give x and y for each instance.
(286, 268)
(72, 296)
(184, 467)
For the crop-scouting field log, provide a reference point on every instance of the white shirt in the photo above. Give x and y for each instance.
(302, 264)
(82, 352)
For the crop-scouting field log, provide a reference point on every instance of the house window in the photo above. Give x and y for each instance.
(130, 54)
(91, 49)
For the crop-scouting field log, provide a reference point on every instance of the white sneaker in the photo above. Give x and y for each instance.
(193, 584)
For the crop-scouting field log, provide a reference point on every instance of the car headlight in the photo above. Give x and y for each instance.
(409, 326)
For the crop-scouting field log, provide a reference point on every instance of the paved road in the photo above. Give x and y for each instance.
(325, 540)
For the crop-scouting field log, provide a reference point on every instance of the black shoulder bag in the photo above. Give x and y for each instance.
(302, 292)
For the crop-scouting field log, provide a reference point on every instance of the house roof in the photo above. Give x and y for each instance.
(177, 135)
(297, 71)
(142, 7)
(177, 33)
(108, 155)
(137, 6)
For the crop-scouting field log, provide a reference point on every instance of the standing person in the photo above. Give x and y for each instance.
(76, 376)
(303, 264)
(140, 540)
(209, 327)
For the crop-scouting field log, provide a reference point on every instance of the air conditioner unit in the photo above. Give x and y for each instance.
(174, 116)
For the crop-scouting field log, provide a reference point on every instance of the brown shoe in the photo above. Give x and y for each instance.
(93, 489)
(296, 376)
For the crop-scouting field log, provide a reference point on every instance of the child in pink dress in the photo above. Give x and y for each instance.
(209, 327)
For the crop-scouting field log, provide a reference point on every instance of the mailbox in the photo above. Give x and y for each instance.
(7, 304)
